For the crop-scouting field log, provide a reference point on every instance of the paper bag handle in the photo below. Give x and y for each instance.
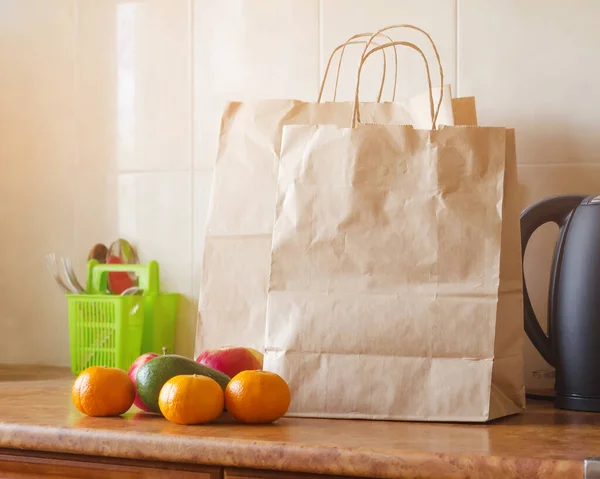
(435, 51)
(342, 47)
(434, 111)
(370, 35)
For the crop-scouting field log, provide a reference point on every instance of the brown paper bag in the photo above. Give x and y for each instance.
(395, 285)
(464, 111)
(235, 270)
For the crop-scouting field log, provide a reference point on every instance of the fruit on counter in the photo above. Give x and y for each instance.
(132, 373)
(152, 376)
(258, 355)
(100, 391)
(257, 397)
(231, 360)
(191, 399)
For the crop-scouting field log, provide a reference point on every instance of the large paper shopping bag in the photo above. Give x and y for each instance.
(236, 260)
(395, 280)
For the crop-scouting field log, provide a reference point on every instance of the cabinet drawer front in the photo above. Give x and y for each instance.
(23, 466)
(231, 473)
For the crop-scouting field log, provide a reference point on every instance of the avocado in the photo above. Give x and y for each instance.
(155, 373)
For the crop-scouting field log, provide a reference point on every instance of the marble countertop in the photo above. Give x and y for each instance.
(36, 414)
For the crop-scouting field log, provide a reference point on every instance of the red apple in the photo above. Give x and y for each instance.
(258, 355)
(133, 369)
(231, 360)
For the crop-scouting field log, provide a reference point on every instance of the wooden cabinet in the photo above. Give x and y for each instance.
(231, 473)
(16, 465)
(30, 465)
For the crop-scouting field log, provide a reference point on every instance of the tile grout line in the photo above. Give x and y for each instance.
(319, 42)
(456, 45)
(193, 192)
(76, 115)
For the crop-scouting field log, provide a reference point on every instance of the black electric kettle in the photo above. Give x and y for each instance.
(572, 345)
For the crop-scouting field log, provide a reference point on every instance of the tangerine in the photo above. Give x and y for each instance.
(257, 397)
(100, 391)
(191, 399)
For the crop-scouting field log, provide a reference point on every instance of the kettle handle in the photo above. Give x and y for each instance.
(555, 209)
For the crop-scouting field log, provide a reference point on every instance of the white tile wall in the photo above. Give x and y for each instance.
(202, 186)
(339, 22)
(532, 65)
(155, 212)
(37, 158)
(250, 49)
(37, 124)
(109, 119)
(134, 84)
(36, 214)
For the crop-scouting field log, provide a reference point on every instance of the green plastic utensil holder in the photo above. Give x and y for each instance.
(111, 330)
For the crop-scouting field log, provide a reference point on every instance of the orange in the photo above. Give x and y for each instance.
(257, 397)
(101, 391)
(191, 399)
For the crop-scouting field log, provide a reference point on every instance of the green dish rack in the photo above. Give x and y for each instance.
(111, 330)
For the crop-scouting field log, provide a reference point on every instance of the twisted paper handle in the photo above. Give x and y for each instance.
(435, 50)
(352, 41)
(356, 109)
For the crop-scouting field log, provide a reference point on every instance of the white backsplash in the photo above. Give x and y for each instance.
(109, 116)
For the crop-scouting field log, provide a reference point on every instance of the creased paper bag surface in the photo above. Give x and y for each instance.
(393, 293)
(235, 268)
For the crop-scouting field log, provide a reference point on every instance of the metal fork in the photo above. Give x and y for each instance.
(53, 270)
(72, 280)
